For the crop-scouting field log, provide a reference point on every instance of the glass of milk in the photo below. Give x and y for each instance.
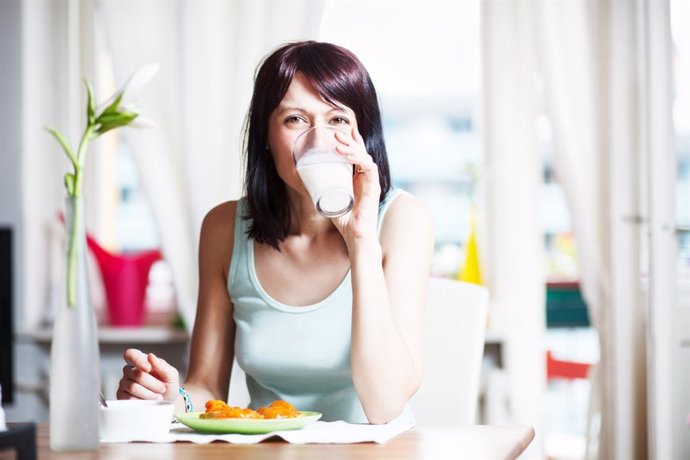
(326, 174)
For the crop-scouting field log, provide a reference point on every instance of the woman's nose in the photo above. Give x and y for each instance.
(320, 137)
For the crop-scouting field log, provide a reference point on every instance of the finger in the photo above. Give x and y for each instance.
(345, 151)
(343, 138)
(356, 136)
(122, 394)
(353, 151)
(162, 369)
(144, 379)
(356, 158)
(137, 359)
(138, 391)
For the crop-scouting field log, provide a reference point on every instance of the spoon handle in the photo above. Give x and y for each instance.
(102, 399)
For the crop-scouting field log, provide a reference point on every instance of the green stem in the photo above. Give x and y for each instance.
(74, 242)
(75, 239)
(81, 157)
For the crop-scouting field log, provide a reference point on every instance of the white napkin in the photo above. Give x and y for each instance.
(3, 426)
(317, 433)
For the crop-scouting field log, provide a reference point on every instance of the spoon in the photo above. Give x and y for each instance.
(102, 399)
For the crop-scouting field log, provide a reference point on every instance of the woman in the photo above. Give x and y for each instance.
(324, 313)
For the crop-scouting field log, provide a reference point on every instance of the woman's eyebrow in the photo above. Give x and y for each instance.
(289, 108)
(338, 108)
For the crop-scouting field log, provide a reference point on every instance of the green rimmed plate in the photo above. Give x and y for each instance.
(245, 425)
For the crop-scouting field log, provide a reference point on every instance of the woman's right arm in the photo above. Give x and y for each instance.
(213, 337)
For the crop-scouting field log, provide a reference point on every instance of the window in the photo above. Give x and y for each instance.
(425, 63)
(134, 221)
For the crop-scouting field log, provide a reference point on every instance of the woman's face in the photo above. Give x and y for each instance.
(300, 109)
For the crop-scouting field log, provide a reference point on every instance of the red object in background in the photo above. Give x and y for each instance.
(125, 278)
(570, 370)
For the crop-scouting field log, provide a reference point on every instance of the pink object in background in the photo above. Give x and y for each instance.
(125, 278)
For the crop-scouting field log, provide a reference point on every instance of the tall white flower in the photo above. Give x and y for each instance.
(121, 106)
(116, 112)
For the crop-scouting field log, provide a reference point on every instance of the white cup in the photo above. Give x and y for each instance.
(326, 174)
(135, 420)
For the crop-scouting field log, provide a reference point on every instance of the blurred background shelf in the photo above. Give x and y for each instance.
(159, 335)
(120, 335)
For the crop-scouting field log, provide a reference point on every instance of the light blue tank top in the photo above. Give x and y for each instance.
(298, 354)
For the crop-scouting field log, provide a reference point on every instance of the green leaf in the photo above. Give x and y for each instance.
(69, 183)
(105, 123)
(90, 104)
(61, 139)
(114, 106)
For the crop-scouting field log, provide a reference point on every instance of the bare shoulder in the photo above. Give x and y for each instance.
(406, 217)
(219, 218)
(218, 234)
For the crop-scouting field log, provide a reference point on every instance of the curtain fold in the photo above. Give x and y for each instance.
(572, 70)
(595, 61)
(54, 56)
(513, 171)
(665, 326)
(208, 52)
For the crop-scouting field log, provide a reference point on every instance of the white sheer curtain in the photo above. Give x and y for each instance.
(514, 246)
(54, 52)
(208, 52)
(571, 68)
(605, 73)
(611, 122)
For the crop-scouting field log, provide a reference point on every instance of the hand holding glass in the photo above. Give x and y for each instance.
(325, 173)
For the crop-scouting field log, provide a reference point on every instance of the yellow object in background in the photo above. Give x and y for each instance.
(471, 270)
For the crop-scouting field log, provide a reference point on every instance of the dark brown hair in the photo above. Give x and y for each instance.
(340, 78)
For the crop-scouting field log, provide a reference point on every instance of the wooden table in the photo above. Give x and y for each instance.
(459, 442)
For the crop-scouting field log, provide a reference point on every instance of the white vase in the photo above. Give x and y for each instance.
(75, 364)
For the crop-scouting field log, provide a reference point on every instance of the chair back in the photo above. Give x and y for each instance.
(454, 332)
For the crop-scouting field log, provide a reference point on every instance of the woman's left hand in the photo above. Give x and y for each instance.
(361, 221)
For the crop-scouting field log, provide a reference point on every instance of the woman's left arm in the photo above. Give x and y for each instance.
(389, 283)
(390, 274)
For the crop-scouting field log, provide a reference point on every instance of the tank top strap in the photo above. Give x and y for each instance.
(239, 247)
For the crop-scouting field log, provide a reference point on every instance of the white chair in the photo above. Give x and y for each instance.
(453, 348)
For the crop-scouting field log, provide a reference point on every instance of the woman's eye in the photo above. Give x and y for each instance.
(295, 120)
(340, 121)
